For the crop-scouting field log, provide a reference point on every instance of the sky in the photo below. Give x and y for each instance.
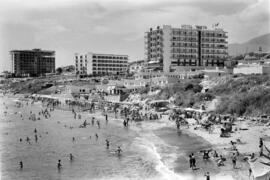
(117, 26)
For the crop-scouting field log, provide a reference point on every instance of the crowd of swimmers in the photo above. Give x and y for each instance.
(46, 113)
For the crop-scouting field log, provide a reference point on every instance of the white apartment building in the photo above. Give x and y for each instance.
(187, 47)
(100, 64)
(136, 66)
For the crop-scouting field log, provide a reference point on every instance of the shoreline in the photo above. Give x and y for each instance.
(188, 143)
(205, 142)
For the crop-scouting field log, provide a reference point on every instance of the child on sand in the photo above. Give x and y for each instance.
(261, 146)
(207, 175)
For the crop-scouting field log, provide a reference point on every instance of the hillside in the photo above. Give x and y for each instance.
(251, 45)
(246, 95)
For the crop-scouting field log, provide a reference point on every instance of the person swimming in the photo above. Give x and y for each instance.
(28, 139)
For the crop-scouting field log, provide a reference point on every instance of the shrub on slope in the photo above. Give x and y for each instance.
(241, 84)
(256, 102)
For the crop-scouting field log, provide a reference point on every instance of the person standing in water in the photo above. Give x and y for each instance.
(96, 136)
(118, 151)
(28, 140)
(234, 160)
(177, 124)
(107, 143)
(36, 138)
(21, 164)
(125, 123)
(84, 123)
(71, 157)
(59, 165)
(106, 118)
(98, 124)
(93, 121)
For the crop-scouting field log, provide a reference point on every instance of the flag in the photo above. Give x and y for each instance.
(215, 25)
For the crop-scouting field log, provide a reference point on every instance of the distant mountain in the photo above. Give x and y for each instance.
(251, 45)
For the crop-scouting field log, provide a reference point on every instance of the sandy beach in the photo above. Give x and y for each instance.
(248, 144)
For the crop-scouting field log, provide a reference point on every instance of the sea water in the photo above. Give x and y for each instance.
(151, 150)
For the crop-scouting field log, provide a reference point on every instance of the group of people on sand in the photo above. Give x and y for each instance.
(220, 159)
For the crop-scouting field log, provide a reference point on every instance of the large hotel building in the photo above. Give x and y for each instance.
(34, 62)
(100, 64)
(185, 48)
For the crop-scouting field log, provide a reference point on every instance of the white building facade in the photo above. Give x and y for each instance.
(100, 64)
(136, 66)
(168, 47)
(251, 69)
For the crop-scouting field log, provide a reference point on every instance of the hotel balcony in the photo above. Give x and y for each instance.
(214, 42)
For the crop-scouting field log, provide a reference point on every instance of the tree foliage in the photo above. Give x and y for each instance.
(59, 70)
(183, 92)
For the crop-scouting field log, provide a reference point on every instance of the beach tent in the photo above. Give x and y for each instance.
(260, 170)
